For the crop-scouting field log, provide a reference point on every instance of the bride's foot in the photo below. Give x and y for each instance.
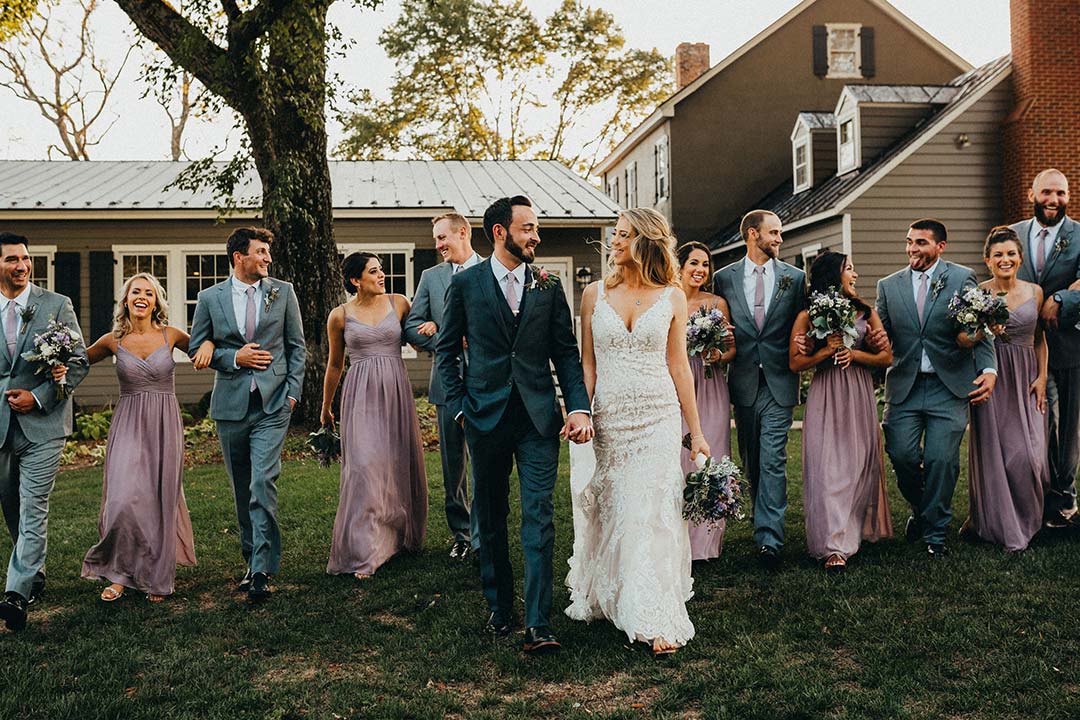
(661, 648)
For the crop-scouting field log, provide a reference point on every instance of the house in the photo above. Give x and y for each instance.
(964, 152)
(92, 225)
(722, 140)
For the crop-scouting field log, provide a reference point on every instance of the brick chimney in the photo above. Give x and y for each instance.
(1043, 129)
(691, 61)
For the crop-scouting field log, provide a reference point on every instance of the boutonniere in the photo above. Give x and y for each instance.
(542, 279)
(937, 286)
(782, 283)
(1061, 244)
(270, 298)
(27, 314)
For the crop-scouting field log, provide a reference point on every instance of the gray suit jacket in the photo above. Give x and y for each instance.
(429, 304)
(280, 332)
(955, 367)
(765, 349)
(1061, 270)
(53, 419)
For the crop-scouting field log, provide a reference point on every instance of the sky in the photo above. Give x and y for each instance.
(978, 30)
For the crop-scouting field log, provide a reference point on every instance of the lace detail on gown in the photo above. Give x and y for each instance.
(631, 561)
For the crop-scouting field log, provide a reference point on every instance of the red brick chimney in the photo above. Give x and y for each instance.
(1043, 129)
(691, 61)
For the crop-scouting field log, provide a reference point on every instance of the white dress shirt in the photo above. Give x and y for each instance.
(239, 302)
(501, 271)
(1033, 241)
(21, 301)
(473, 260)
(750, 283)
(925, 366)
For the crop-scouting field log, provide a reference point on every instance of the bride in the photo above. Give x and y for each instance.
(631, 560)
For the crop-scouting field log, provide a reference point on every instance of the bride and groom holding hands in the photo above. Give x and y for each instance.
(631, 386)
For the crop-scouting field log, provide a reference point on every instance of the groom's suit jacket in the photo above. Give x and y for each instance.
(1062, 269)
(763, 351)
(507, 351)
(52, 419)
(956, 367)
(280, 332)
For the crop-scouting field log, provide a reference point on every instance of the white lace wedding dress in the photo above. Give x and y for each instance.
(631, 560)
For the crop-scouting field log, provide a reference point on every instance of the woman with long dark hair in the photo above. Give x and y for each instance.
(844, 497)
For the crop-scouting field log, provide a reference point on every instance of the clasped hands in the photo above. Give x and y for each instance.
(578, 428)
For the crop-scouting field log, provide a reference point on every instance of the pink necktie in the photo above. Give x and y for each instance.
(1040, 252)
(10, 328)
(511, 292)
(249, 324)
(920, 297)
(759, 297)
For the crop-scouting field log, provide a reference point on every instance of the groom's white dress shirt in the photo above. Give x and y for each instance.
(750, 284)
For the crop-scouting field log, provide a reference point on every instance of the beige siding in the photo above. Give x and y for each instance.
(823, 147)
(881, 126)
(829, 235)
(642, 154)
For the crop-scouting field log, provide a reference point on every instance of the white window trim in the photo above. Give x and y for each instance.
(49, 253)
(663, 167)
(804, 141)
(856, 155)
(857, 27)
(409, 249)
(810, 252)
(631, 185)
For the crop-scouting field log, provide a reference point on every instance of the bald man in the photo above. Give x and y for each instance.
(1052, 248)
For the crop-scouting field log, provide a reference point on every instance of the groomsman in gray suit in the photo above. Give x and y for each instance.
(259, 353)
(1053, 248)
(34, 423)
(931, 381)
(764, 294)
(453, 240)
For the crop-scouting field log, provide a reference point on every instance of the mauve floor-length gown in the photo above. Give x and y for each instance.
(384, 502)
(144, 525)
(844, 498)
(1007, 462)
(714, 411)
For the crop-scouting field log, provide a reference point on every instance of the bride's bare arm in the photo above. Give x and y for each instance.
(679, 367)
(588, 357)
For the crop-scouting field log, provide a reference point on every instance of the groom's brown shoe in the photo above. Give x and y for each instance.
(540, 640)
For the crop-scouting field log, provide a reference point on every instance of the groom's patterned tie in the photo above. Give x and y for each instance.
(511, 292)
(249, 324)
(10, 327)
(759, 296)
(1040, 253)
(920, 297)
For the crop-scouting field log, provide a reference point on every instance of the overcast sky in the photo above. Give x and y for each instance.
(978, 30)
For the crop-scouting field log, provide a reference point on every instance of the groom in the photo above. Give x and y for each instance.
(514, 325)
(259, 353)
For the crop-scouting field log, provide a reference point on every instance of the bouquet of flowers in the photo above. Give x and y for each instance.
(706, 330)
(326, 444)
(714, 492)
(977, 309)
(832, 313)
(58, 345)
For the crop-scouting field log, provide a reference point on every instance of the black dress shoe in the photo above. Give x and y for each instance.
(460, 550)
(13, 611)
(260, 588)
(768, 557)
(498, 626)
(540, 640)
(1057, 520)
(245, 583)
(37, 589)
(913, 529)
(936, 550)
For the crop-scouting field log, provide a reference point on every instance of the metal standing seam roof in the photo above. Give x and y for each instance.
(465, 186)
(791, 207)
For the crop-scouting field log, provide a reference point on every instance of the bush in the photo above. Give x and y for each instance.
(92, 426)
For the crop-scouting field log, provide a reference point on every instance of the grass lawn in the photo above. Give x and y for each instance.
(981, 635)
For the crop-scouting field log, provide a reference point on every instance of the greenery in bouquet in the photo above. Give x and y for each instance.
(714, 492)
(707, 329)
(978, 309)
(57, 345)
(326, 445)
(832, 313)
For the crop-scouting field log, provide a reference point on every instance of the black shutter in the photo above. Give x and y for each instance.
(101, 292)
(67, 279)
(423, 258)
(821, 51)
(866, 40)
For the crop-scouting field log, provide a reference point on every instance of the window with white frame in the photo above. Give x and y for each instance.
(801, 161)
(660, 168)
(631, 185)
(844, 50)
(201, 271)
(846, 145)
(615, 191)
(396, 260)
(41, 259)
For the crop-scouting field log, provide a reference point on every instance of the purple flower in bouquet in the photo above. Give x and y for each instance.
(832, 313)
(707, 330)
(977, 309)
(57, 345)
(714, 492)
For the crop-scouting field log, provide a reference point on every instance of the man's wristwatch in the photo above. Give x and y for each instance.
(1057, 298)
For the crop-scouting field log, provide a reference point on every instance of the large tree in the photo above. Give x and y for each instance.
(268, 63)
(485, 79)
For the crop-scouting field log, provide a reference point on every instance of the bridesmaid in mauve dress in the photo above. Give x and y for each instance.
(713, 401)
(844, 498)
(144, 525)
(384, 503)
(1008, 471)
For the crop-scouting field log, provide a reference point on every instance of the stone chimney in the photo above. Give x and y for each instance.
(691, 61)
(1043, 129)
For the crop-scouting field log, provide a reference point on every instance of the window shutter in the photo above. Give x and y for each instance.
(821, 51)
(66, 278)
(866, 40)
(423, 258)
(101, 292)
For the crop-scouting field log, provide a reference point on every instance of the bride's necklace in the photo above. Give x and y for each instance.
(637, 302)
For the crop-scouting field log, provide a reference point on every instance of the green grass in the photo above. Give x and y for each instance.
(981, 635)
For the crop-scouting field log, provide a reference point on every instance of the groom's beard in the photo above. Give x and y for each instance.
(1044, 220)
(524, 254)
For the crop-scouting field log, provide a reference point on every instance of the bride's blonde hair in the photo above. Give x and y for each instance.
(652, 247)
(122, 318)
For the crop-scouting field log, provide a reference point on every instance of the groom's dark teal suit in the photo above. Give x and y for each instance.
(507, 399)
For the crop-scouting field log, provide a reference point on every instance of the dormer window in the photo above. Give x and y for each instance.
(846, 145)
(843, 50)
(801, 161)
